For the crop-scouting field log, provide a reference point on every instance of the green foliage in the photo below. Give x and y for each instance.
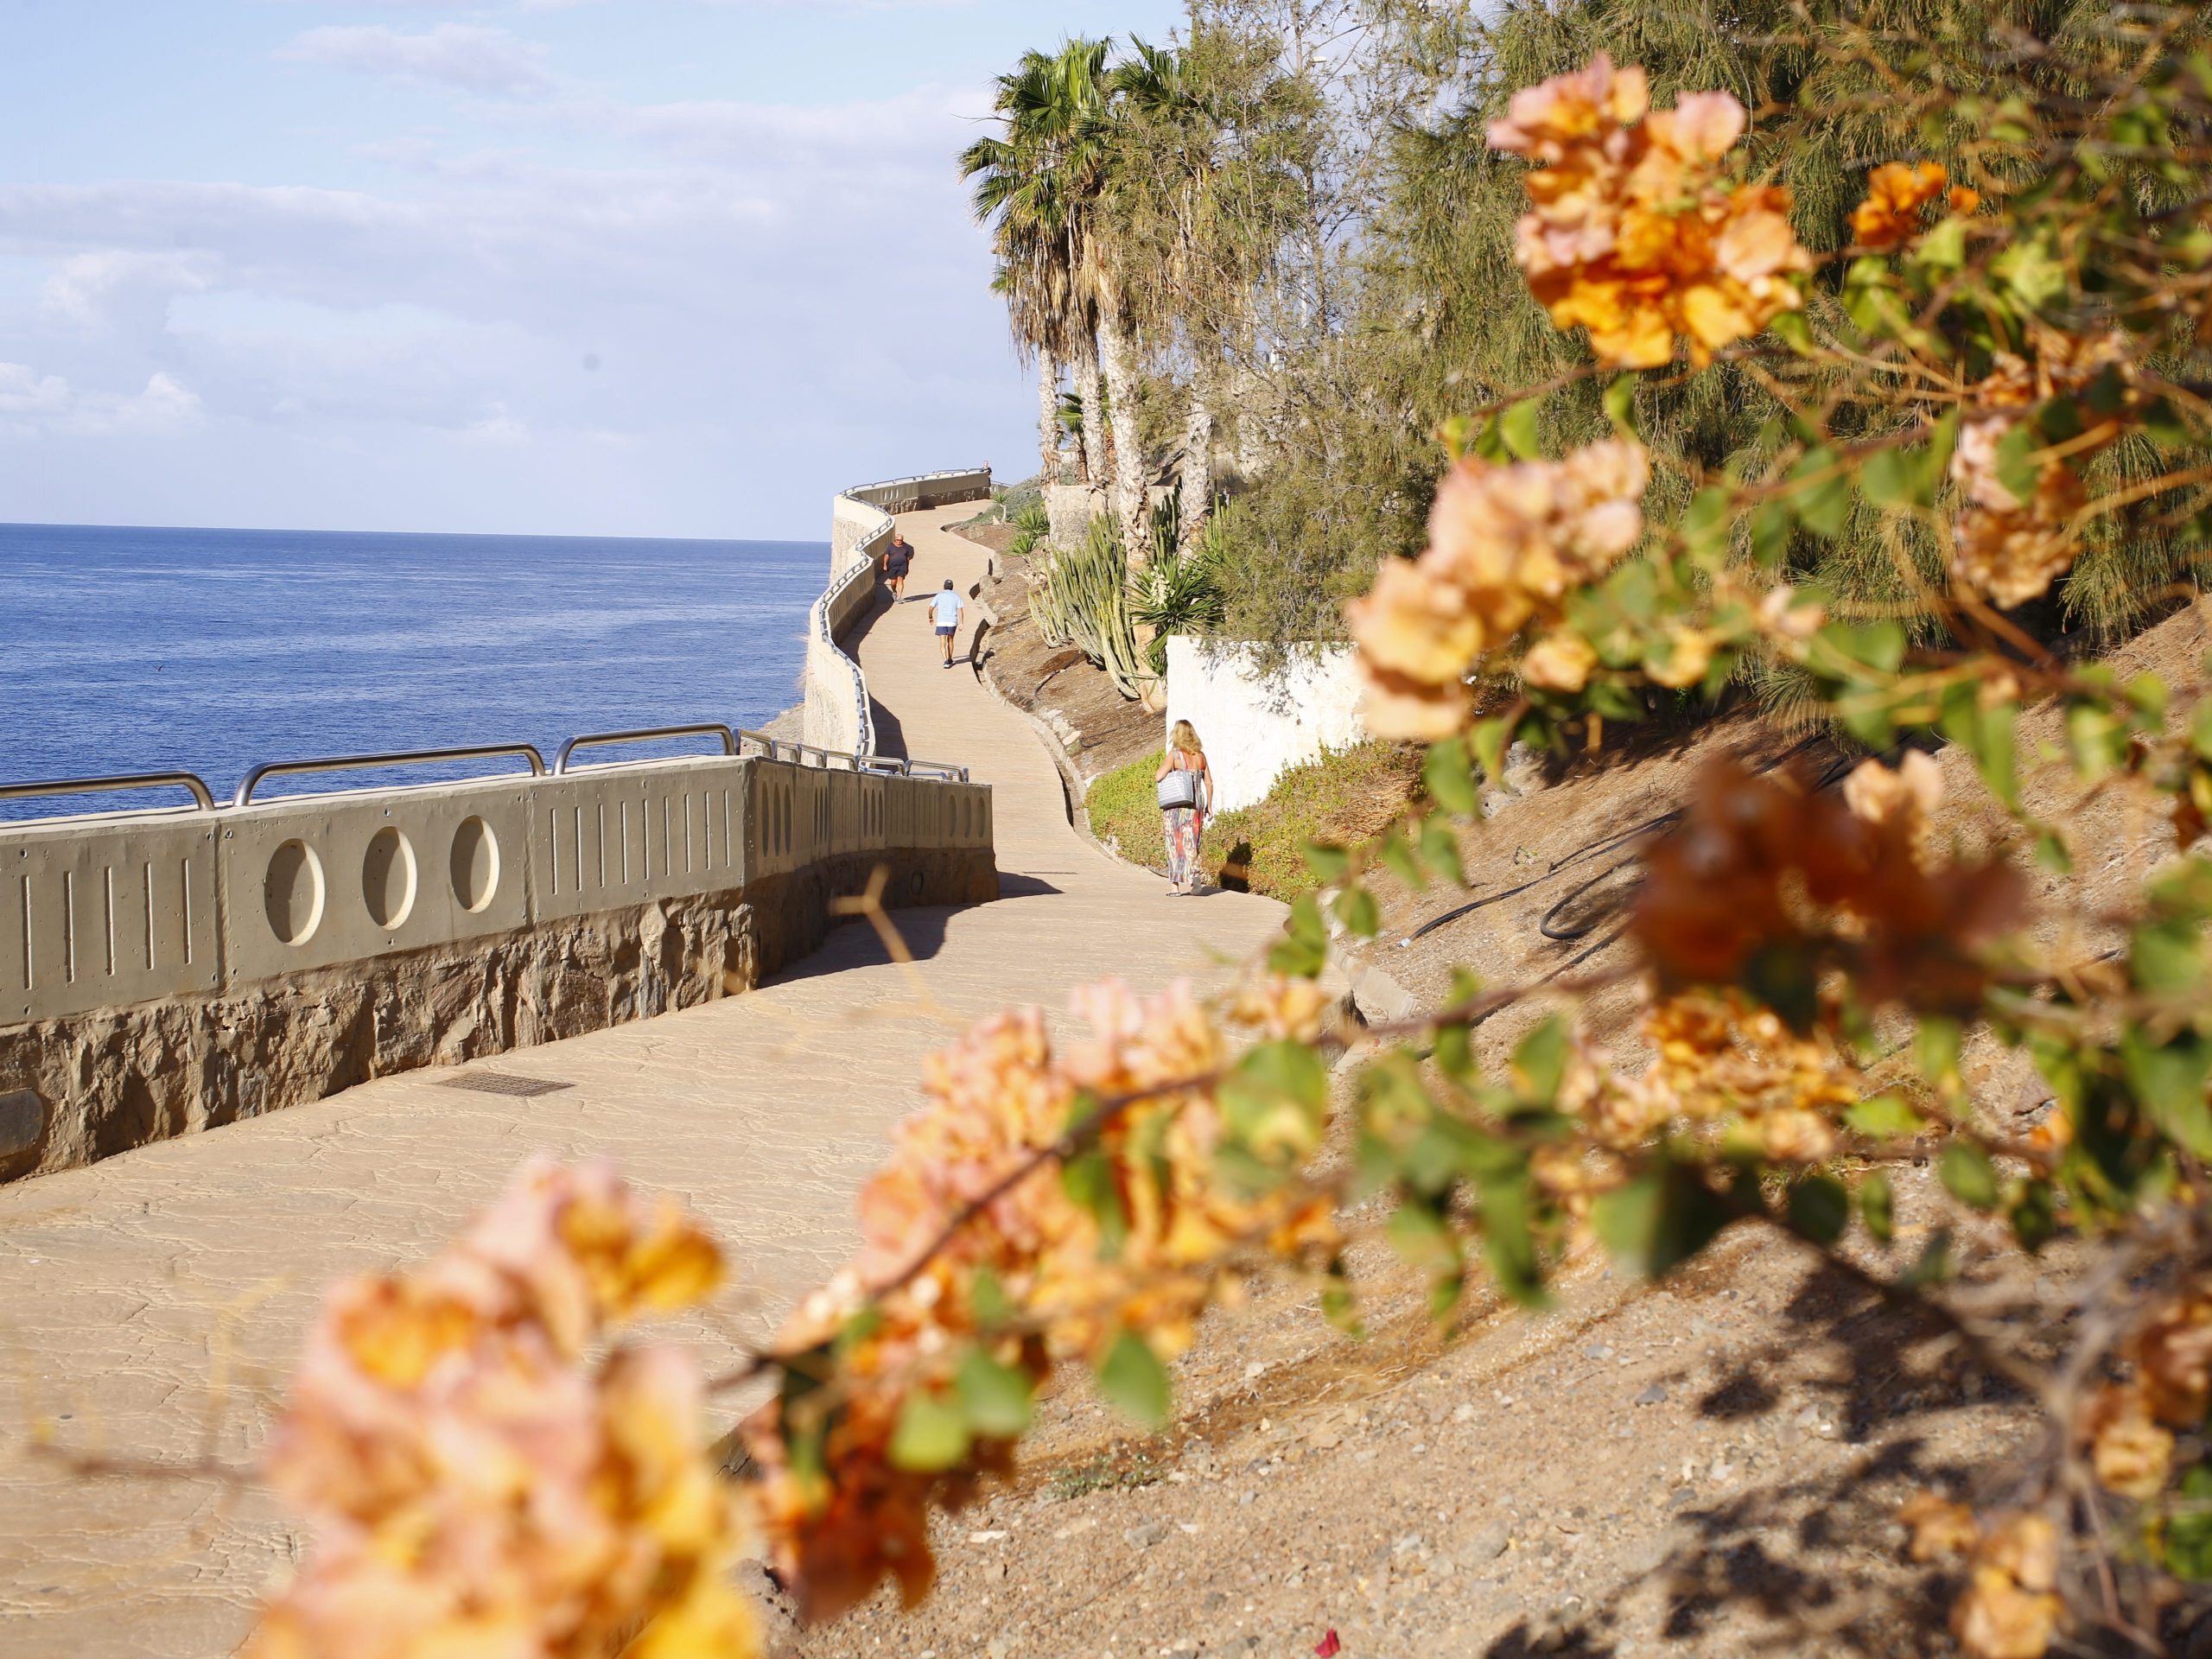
(1081, 598)
(1340, 799)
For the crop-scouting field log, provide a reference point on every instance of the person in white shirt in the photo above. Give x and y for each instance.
(945, 610)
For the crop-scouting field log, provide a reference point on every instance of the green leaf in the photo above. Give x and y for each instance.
(2030, 268)
(2098, 741)
(2017, 468)
(1508, 1243)
(1660, 1220)
(1936, 1049)
(1771, 534)
(1968, 1176)
(1489, 739)
(1540, 1062)
(1986, 734)
(931, 1436)
(994, 1396)
(1885, 1117)
(1450, 780)
(1878, 1207)
(2170, 1079)
(2058, 420)
(1819, 1208)
(1489, 444)
(2033, 1212)
(1517, 426)
(1620, 405)
(2200, 729)
(1422, 1240)
(1822, 504)
(1398, 859)
(1704, 524)
(987, 1297)
(1943, 249)
(1455, 1054)
(1439, 849)
(2166, 958)
(2052, 853)
(1934, 1266)
(1357, 909)
(2188, 1533)
(2164, 426)
(1133, 1381)
(1277, 1103)
(1304, 950)
(1089, 1180)
(1329, 863)
(1891, 478)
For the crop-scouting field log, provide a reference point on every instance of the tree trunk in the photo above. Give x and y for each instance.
(1094, 416)
(1048, 419)
(1132, 507)
(1198, 470)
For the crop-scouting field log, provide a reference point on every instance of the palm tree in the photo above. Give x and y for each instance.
(1037, 184)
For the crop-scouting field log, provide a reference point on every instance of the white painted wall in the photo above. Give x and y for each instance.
(1257, 726)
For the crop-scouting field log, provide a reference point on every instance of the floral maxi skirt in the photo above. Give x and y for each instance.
(1184, 825)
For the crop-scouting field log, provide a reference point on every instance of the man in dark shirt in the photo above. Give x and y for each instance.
(898, 560)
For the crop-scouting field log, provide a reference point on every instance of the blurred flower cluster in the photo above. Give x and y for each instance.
(1046, 1206)
(475, 1482)
(1637, 230)
(1507, 543)
(1768, 876)
(1896, 194)
(2016, 531)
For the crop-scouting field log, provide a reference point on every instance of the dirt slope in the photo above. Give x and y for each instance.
(1709, 1467)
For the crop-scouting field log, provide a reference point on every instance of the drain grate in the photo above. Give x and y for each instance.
(501, 1082)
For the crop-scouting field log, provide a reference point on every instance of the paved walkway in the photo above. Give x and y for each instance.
(150, 1305)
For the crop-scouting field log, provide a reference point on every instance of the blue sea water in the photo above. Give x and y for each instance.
(212, 650)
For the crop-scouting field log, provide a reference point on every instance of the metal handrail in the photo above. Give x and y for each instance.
(259, 775)
(942, 769)
(772, 745)
(600, 739)
(205, 801)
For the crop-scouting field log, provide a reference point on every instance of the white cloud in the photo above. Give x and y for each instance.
(96, 288)
(490, 62)
(35, 405)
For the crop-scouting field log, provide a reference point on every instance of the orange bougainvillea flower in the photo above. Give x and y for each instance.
(474, 1484)
(1635, 230)
(1507, 545)
(1895, 194)
(1732, 880)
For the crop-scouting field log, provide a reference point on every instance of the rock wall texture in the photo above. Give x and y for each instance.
(78, 1089)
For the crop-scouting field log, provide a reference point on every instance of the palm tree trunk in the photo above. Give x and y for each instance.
(1094, 415)
(1048, 417)
(1198, 469)
(1132, 507)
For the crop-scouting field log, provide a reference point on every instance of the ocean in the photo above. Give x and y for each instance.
(215, 650)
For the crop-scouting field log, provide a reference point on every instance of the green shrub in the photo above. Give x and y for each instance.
(1343, 797)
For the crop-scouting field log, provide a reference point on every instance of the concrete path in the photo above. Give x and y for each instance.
(150, 1305)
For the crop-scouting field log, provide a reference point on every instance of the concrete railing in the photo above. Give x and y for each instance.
(167, 971)
(837, 715)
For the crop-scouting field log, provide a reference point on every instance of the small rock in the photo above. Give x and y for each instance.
(1653, 1396)
(1598, 1351)
(1214, 1601)
(1146, 1534)
(1246, 1498)
(1463, 1413)
(1487, 1545)
(1681, 1495)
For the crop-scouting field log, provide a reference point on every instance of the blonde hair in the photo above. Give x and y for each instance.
(1184, 736)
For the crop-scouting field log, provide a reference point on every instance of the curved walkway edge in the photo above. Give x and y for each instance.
(150, 1305)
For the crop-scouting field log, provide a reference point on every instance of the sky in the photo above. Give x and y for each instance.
(559, 267)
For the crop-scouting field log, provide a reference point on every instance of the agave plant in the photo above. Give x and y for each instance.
(1180, 591)
(1032, 524)
(1082, 599)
